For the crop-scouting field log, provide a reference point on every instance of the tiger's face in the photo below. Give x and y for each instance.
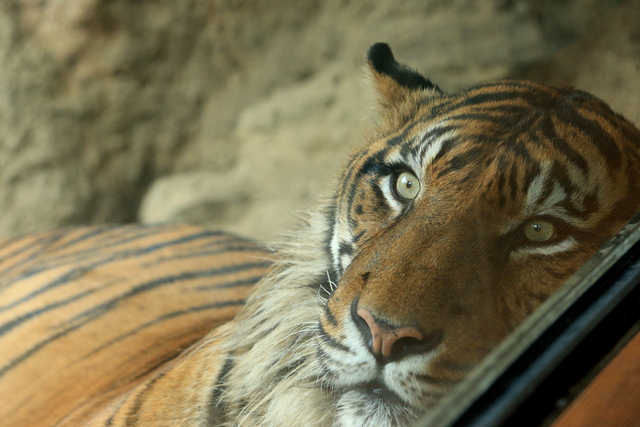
(462, 216)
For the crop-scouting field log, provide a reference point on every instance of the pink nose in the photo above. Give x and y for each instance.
(385, 337)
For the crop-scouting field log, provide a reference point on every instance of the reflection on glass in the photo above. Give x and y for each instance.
(483, 376)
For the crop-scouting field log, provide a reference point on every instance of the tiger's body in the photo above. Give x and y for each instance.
(87, 313)
(458, 218)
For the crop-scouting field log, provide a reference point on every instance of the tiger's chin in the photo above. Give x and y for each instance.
(374, 403)
(381, 399)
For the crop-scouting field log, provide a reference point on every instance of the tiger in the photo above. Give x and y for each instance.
(455, 219)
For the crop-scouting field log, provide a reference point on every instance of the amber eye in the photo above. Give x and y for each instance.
(539, 231)
(407, 185)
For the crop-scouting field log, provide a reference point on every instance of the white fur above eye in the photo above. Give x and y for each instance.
(563, 246)
(386, 184)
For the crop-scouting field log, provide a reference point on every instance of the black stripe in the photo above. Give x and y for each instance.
(521, 150)
(75, 256)
(401, 138)
(549, 131)
(446, 146)
(345, 249)
(193, 253)
(546, 191)
(68, 277)
(326, 360)
(60, 260)
(602, 140)
(164, 317)
(215, 402)
(100, 230)
(133, 416)
(330, 219)
(434, 135)
(229, 238)
(36, 348)
(12, 324)
(374, 165)
(151, 366)
(345, 192)
(503, 116)
(513, 181)
(382, 205)
(502, 180)
(76, 273)
(109, 421)
(485, 98)
(419, 146)
(356, 238)
(332, 342)
(101, 309)
(461, 160)
(55, 261)
(330, 317)
(234, 284)
(39, 245)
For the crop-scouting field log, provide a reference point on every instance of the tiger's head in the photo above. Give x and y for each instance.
(461, 216)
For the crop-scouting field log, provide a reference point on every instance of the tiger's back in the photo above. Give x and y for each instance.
(87, 313)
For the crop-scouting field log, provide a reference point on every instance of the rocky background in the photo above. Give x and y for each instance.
(235, 114)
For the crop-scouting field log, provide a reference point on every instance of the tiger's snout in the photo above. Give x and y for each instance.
(388, 342)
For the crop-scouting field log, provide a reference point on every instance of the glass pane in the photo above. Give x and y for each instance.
(483, 376)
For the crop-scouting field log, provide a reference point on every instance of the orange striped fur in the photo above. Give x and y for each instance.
(87, 313)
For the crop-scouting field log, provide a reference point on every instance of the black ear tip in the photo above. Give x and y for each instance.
(381, 57)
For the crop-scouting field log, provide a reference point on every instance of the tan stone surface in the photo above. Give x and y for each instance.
(236, 113)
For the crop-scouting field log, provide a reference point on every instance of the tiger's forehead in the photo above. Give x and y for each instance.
(419, 150)
(503, 166)
(449, 164)
(505, 144)
(437, 148)
(509, 127)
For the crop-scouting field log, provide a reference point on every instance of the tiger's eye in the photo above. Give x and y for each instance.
(539, 231)
(407, 185)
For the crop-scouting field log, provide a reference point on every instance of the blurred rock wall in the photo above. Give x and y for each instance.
(235, 114)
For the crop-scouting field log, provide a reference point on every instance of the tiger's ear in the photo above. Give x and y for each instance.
(399, 88)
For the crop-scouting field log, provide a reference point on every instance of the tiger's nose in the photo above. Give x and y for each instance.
(390, 343)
